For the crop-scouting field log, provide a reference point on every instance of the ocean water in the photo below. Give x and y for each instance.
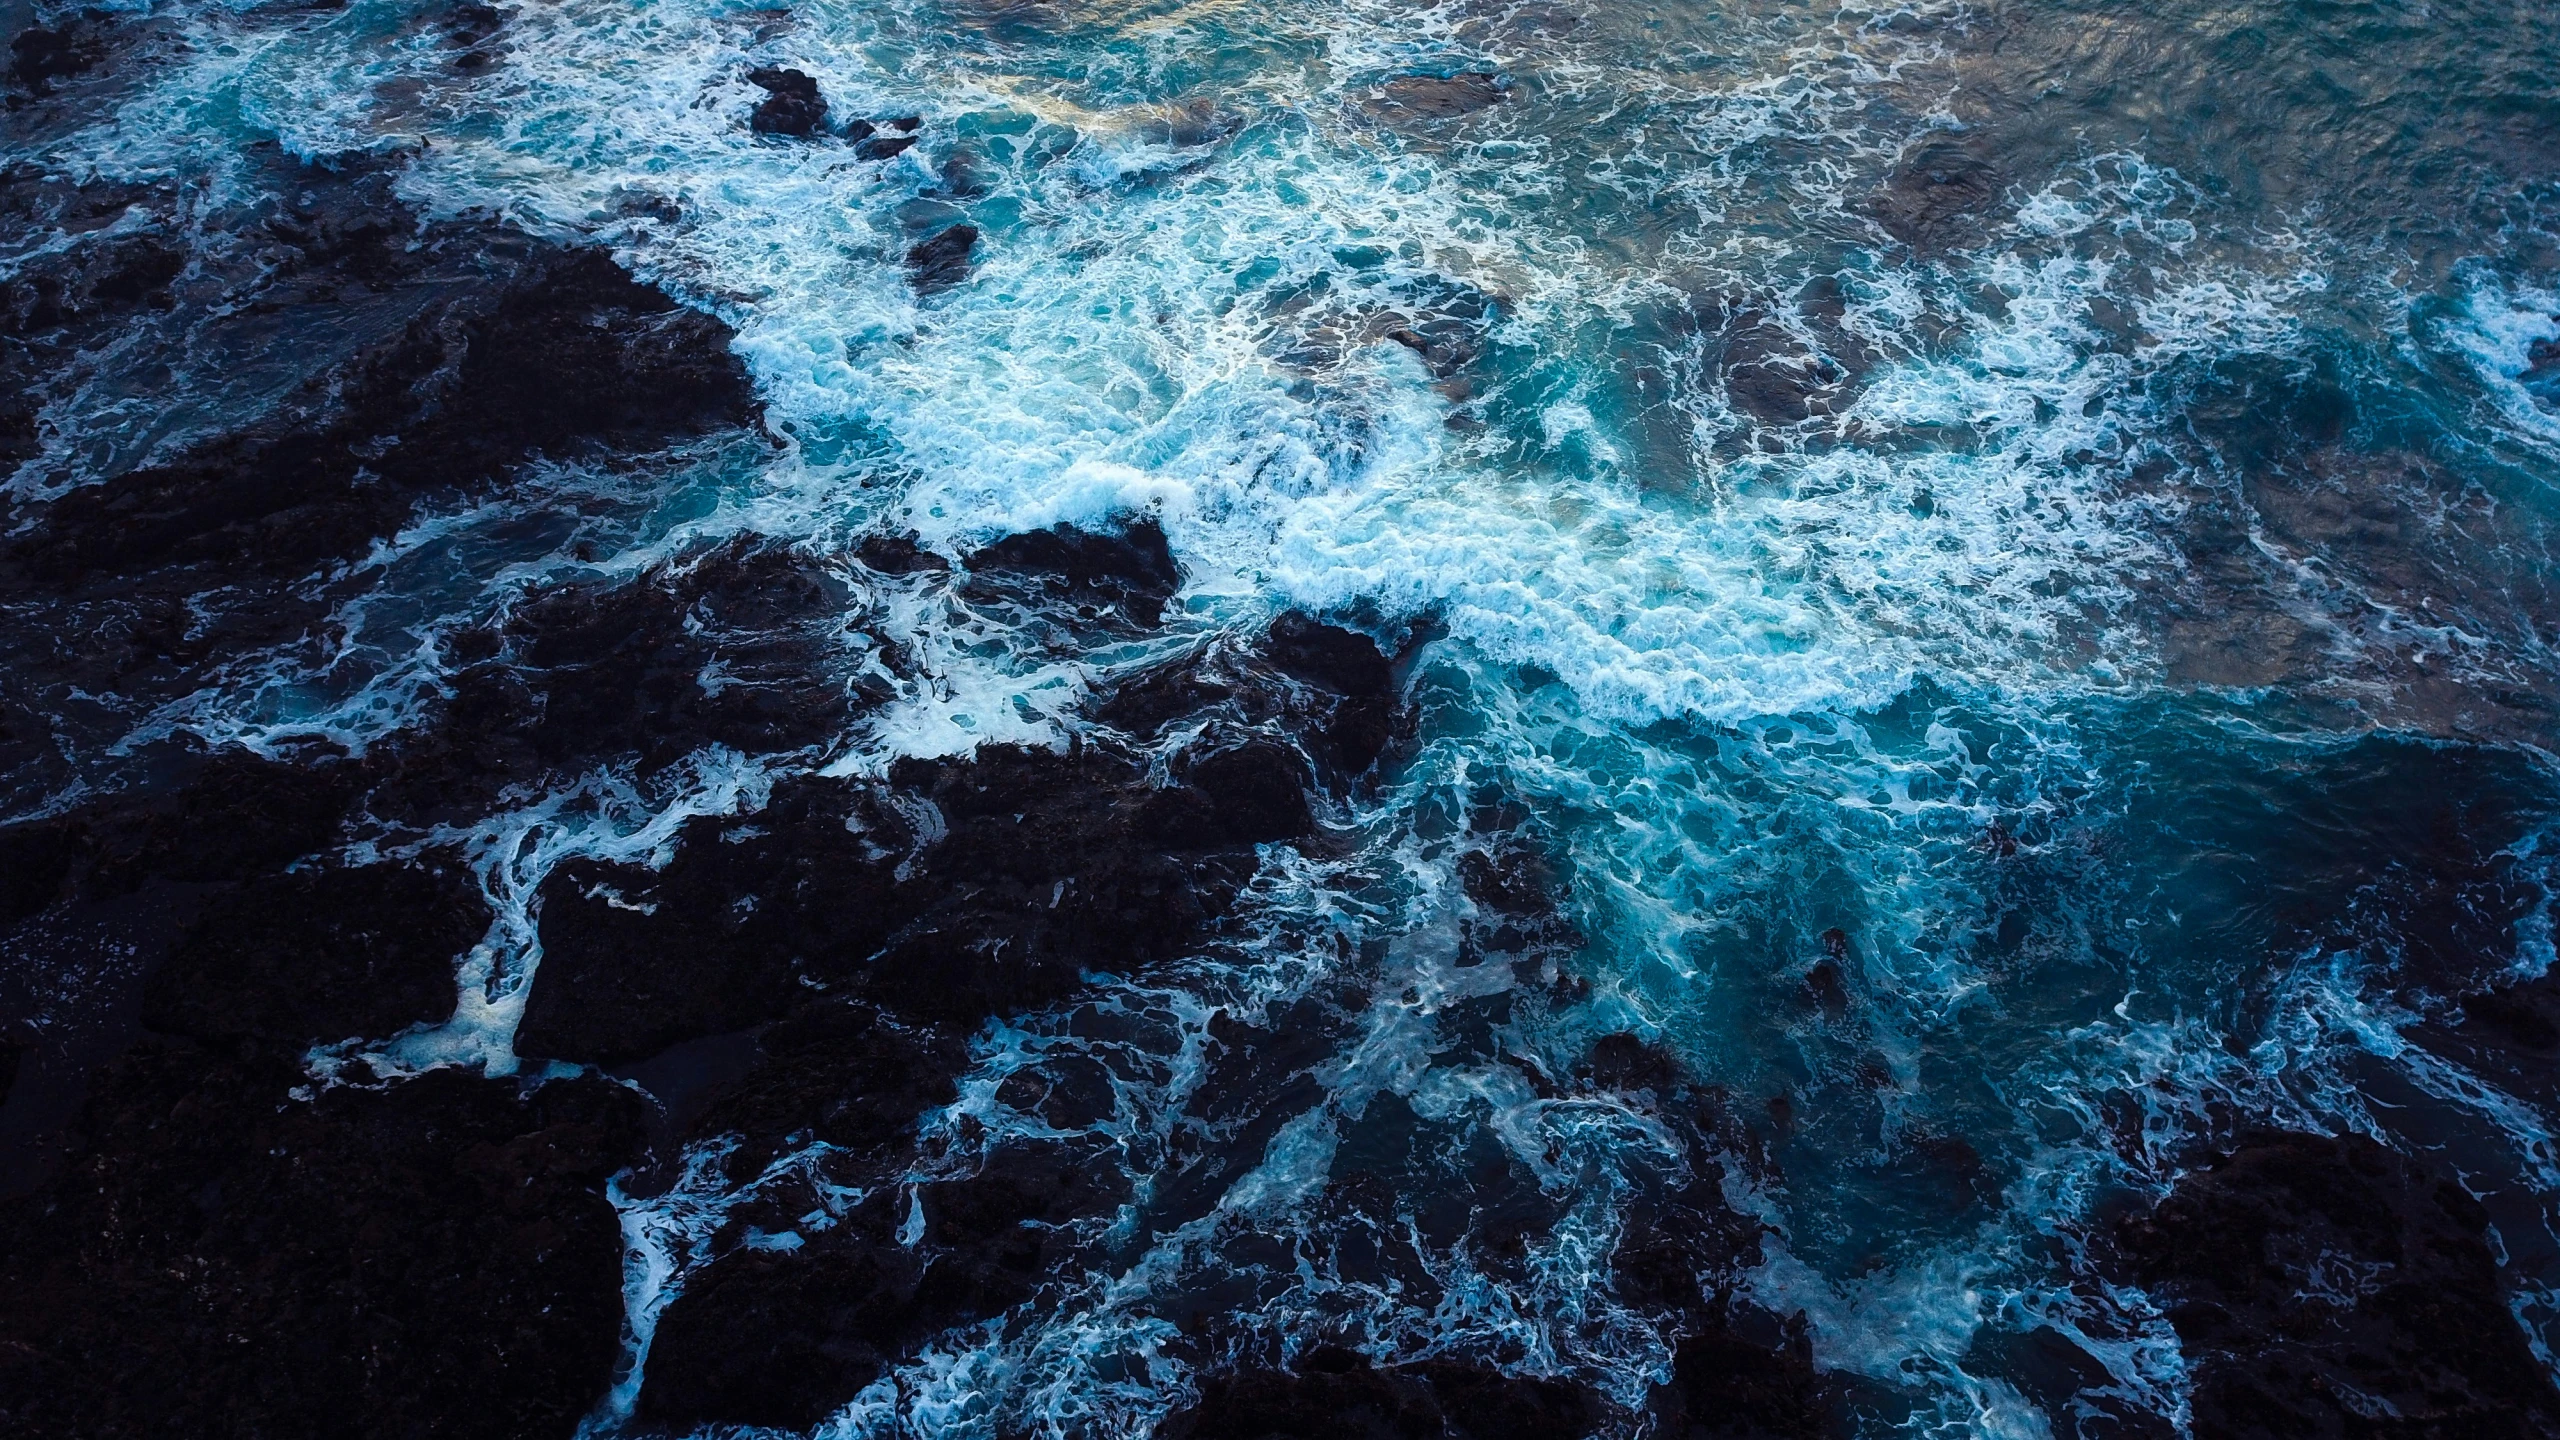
(1997, 553)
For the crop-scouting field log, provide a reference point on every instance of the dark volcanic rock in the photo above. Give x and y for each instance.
(331, 363)
(1727, 1384)
(240, 816)
(636, 959)
(321, 955)
(1338, 1395)
(738, 645)
(571, 353)
(1937, 195)
(783, 1338)
(38, 56)
(840, 1072)
(942, 261)
(2318, 1282)
(1088, 573)
(1330, 688)
(1048, 865)
(432, 1259)
(884, 147)
(791, 104)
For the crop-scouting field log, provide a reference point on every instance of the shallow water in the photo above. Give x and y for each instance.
(1999, 554)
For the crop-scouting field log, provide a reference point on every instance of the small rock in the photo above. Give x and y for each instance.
(791, 105)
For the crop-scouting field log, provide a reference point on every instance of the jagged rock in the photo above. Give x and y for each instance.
(841, 1073)
(221, 1259)
(2316, 1282)
(76, 45)
(1745, 1373)
(942, 261)
(571, 353)
(635, 960)
(739, 644)
(240, 816)
(791, 105)
(1096, 575)
(784, 1338)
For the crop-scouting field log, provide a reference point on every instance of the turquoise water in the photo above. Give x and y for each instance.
(2097, 693)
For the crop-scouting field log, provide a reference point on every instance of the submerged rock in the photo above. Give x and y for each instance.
(1937, 195)
(1438, 97)
(942, 261)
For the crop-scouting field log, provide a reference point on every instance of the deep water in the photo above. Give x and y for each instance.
(997, 719)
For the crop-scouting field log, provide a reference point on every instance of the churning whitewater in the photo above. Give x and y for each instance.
(1029, 718)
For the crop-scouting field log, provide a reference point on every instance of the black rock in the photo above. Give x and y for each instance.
(222, 1259)
(1744, 1373)
(571, 354)
(635, 960)
(1128, 572)
(791, 104)
(2316, 1282)
(784, 1338)
(740, 645)
(39, 56)
(884, 147)
(842, 1073)
(321, 955)
(1335, 1394)
(942, 261)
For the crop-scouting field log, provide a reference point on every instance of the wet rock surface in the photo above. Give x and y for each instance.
(942, 261)
(2320, 1283)
(224, 1257)
(151, 551)
(791, 105)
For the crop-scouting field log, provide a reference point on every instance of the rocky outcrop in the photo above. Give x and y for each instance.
(2319, 1284)
(791, 104)
(224, 1257)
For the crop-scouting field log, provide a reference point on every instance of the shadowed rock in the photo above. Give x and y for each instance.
(321, 955)
(2317, 1282)
(223, 1259)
